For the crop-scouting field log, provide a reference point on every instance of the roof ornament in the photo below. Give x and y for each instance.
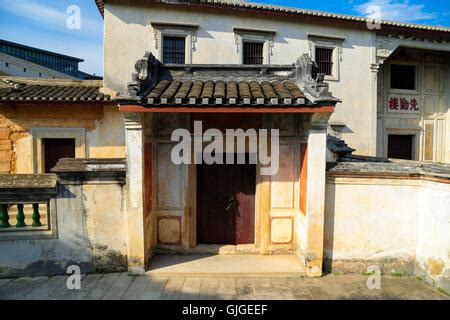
(11, 85)
(310, 81)
(145, 76)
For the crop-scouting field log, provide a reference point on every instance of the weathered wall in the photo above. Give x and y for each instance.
(216, 44)
(103, 136)
(433, 236)
(106, 225)
(92, 234)
(396, 224)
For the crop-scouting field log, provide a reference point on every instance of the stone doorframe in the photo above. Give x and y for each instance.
(138, 204)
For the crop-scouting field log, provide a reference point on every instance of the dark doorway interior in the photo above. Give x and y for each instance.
(55, 149)
(400, 146)
(226, 204)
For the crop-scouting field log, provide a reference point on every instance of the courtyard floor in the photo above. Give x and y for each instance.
(122, 286)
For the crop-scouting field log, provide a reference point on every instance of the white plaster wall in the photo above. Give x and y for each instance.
(128, 34)
(371, 219)
(433, 234)
(106, 223)
(384, 220)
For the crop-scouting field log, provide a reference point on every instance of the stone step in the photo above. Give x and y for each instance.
(225, 266)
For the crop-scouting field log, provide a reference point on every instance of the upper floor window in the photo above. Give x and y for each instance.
(253, 52)
(403, 77)
(324, 59)
(174, 50)
(254, 46)
(174, 41)
(327, 51)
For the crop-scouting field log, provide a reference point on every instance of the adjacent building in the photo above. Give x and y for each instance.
(18, 60)
(318, 78)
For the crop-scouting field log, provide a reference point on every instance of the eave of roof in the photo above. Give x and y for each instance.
(224, 4)
(35, 90)
(226, 109)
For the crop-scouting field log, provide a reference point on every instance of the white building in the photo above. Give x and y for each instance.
(367, 63)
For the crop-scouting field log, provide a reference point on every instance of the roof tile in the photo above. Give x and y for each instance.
(254, 92)
(18, 89)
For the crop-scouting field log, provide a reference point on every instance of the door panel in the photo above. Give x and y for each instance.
(226, 204)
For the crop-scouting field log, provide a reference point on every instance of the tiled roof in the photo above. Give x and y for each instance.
(28, 89)
(362, 165)
(208, 92)
(233, 4)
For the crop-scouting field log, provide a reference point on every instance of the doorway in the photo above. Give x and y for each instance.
(400, 146)
(226, 204)
(55, 149)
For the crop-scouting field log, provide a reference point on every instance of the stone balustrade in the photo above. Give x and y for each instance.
(25, 201)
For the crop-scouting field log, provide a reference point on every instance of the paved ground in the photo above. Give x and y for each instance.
(223, 266)
(121, 286)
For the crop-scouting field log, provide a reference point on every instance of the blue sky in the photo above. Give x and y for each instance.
(42, 23)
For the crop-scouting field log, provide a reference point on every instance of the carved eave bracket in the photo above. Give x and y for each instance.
(311, 82)
(385, 47)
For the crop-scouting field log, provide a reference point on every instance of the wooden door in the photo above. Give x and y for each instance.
(226, 204)
(55, 149)
(400, 147)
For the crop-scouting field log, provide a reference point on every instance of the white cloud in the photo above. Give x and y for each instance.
(50, 17)
(394, 10)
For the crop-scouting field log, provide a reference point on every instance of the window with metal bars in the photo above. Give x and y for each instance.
(324, 59)
(253, 53)
(174, 50)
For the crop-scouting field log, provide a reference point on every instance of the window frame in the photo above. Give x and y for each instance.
(37, 146)
(266, 37)
(328, 42)
(416, 80)
(169, 29)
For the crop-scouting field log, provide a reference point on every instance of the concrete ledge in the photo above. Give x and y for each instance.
(27, 188)
(79, 171)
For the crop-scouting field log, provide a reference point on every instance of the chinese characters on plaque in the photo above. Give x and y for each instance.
(403, 105)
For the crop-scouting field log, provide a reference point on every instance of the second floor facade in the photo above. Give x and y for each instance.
(350, 52)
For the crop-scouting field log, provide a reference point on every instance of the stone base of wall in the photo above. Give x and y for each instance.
(387, 266)
(110, 262)
(44, 268)
(427, 273)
